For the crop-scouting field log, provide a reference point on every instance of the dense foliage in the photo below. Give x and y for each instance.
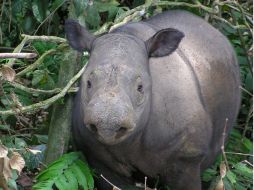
(25, 82)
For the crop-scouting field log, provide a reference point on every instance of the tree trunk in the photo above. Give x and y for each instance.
(59, 129)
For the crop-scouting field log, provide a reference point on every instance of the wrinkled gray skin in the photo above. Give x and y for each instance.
(154, 99)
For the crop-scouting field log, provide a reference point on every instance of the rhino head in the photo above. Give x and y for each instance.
(116, 85)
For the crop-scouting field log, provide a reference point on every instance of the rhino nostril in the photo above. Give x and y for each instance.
(93, 128)
(121, 131)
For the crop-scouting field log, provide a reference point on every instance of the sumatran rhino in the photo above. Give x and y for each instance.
(154, 98)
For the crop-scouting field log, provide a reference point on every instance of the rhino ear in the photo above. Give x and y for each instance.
(78, 37)
(164, 42)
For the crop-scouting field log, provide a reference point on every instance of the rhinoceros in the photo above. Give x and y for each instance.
(154, 99)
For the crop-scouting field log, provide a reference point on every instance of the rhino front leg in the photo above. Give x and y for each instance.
(184, 176)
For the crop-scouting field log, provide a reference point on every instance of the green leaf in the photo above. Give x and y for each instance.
(56, 4)
(68, 172)
(80, 6)
(249, 82)
(42, 139)
(44, 185)
(231, 177)
(227, 184)
(41, 47)
(38, 76)
(92, 16)
(239, 186)
(12, 185)
(28, 24)
(48, 174)
(61, 183)
(242, 169)
(20, 143)
(85, 169)
(79, 176)
(71, 178)
(39, 9)
(248, 145)
(208, 175)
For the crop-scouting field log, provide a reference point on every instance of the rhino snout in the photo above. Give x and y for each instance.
(111, 123)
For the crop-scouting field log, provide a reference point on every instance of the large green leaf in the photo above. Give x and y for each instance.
(85, 170)
(40, 9)
(92, 16)
(70, 176)
(62, 184)
(82, 181)
(68, 172)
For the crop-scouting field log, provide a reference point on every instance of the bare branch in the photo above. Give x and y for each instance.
(18, 55)
(45, 38)
(114, 187)
(223, 143)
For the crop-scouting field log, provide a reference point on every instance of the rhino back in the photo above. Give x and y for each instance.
(197, 87)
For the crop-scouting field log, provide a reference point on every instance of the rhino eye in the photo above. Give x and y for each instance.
(140, 88)
(89, 84)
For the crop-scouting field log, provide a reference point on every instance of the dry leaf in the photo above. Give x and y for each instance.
(220, 185)
(3, 151)
(6, 168)
(33, 151)
(8, 73)
(223, 170)
(17, 162)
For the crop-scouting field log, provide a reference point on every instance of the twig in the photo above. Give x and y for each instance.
(18, 55)
(223, 144)
(243, 89)
(46, 103)
(247, 162)
(114, 187)
(237, 153)
(145, 182)
(228, 23)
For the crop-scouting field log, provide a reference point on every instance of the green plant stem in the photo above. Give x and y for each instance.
(36, 63)
(17, 50)
(40, 60)
(249, 116)
(46, 103)
(39, 91)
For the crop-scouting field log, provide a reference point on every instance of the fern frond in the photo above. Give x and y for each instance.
(67, 173)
